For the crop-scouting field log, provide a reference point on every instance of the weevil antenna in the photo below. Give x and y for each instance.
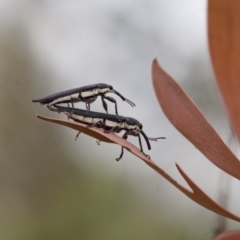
(155, 139)
(124, 99)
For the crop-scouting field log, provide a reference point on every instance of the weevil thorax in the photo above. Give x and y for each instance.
(133, 124)
(116, 123)
(101, 88)
(104, 88)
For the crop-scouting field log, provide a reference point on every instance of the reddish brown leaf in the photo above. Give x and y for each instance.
(188, 119)
(197, 195)
(224, 44)
(234, 235)
(201, 198)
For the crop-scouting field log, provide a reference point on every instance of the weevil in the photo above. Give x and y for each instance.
(87, 94)
(109, 123)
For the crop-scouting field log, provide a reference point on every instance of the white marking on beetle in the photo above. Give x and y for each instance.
(94, 92)
(88, 120)
(138, 129)
(95, 120)
(89, 93)
(104, 90)
(122, 125)
(60, 100)
(80, 118)
(111, 123)
(75, 96)
(130, 126)
(65, 99)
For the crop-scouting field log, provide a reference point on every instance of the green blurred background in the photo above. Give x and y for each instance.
(52, 187)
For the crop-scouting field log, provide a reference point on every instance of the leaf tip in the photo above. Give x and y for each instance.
(40, 117)
(155, 62)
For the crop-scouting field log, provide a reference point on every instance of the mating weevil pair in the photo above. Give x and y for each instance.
(108, 122)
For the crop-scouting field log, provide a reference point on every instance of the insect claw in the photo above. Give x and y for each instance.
(77, 136)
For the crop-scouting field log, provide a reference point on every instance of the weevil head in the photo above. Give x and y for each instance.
(132, 123)
(110, 88)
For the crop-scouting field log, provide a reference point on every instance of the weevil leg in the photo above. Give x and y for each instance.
(133, 133)
(136, 134)
(71, 113)
(113, 129)
(104, 104)
(77, 136)
(121, 155)
(98, 142)
(72, 107)
(140, 143)
(118, 130)
(68, 116)
(88, 102)
(125, 136)
(99, 123)
(88, 108)
(111, 99)
(72, 104)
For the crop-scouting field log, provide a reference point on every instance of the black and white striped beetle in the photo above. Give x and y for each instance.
(110, 123)
(87, 94)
